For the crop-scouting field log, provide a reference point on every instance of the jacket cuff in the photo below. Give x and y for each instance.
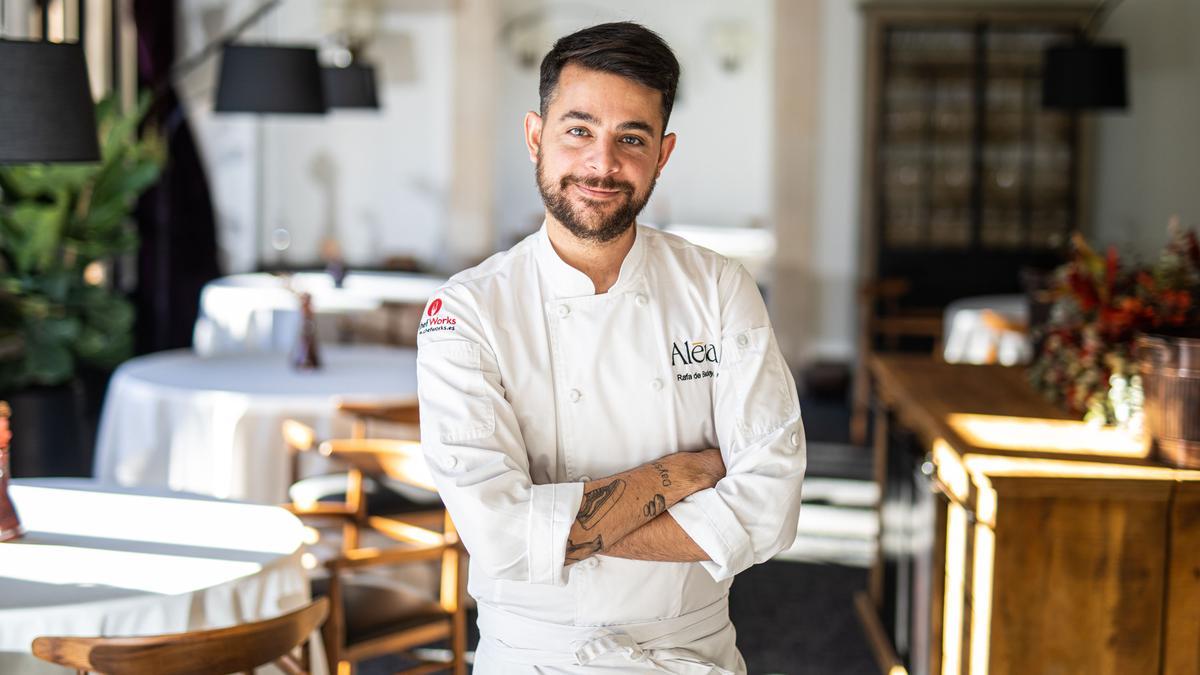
(715, 529)
(552, 509)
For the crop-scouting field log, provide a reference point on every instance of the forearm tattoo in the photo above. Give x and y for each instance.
(654, 506)
(663, 475)
(584, 549)
(598, 502)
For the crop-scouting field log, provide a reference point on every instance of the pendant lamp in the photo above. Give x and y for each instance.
(270, 79)
(46, 108)
(1084, 76)
(352, 86)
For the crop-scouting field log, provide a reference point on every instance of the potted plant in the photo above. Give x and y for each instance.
(61, 228)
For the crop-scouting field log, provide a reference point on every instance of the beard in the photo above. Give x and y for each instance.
(592, 222)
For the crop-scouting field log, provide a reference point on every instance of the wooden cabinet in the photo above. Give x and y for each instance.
(1050, 547)
(966, 178)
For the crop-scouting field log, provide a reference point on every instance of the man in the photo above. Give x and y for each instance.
(575, 390)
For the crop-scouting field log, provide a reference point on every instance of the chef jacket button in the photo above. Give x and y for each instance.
(590, 563)
(449, 462)
(742, 340)
(656, 384)
(574, 395)
(585, 479)
(641, 299)
(794, 439)
(563, 311)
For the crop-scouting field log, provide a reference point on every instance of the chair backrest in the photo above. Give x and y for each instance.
(209, 652)
(399, 460)
(298, 436)
(398, 411)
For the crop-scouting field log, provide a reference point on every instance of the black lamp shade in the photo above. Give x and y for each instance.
(270, 79)
(1084, 76)
(350, 87)
(46, 108)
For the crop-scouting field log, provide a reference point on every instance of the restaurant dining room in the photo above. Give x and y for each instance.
(306, 363)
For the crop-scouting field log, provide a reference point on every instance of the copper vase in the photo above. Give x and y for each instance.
(1170, 368)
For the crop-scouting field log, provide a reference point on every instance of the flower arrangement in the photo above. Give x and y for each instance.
(1086, 361)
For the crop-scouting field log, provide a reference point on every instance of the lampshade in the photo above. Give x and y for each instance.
(46, 108)
(350, 87)
(270, 79)
(1084, 76)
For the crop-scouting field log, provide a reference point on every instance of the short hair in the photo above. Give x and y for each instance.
(622, 48)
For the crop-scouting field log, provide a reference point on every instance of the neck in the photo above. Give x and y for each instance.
(601, 262)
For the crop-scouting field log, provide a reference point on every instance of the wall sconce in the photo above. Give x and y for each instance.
(732, 41)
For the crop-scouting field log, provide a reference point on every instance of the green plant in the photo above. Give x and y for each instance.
(61, 226)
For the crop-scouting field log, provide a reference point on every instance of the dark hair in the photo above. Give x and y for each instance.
(623, 48)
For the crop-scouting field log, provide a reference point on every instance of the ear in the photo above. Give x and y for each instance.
(533, 134)
(665, 150)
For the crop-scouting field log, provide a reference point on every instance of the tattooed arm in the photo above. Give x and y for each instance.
(615, 506)
(660, 540)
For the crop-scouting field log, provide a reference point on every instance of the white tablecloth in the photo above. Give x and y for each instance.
(968, 339)
(105, 561)
(211, 425)
(258, 312)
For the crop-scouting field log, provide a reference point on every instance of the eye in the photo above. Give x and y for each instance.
(578, 132)
(632, 140)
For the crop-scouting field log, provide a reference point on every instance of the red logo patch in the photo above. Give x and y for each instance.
(435, 306)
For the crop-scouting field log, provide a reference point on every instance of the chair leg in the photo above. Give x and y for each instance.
(860, 409)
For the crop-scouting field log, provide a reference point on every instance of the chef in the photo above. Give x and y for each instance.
(604, 407)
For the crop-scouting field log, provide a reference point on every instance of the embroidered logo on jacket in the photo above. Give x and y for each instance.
(694, 354)
(432, 322)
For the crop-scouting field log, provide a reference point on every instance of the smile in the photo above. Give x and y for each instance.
(593, 193)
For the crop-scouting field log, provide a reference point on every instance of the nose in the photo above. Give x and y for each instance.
(603, 159)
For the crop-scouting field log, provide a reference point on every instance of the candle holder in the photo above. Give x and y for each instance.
(306, 355)
(10, 525)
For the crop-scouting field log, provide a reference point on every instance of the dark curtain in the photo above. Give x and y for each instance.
(175, 218)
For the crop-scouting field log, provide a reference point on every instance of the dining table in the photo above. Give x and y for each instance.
(260, 312)
(101, 560)
(211, 425)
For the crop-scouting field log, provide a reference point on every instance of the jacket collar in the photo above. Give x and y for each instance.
(568, 282)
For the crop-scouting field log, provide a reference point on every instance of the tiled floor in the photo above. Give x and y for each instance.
(794, 614)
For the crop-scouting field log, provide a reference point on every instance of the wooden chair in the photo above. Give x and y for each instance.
(400, 412)
(883, 324)
(369, 619)
(209, 652)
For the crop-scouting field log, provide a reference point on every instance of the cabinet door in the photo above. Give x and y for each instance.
(1181, 653)
(1079, 576)
(1028, 153)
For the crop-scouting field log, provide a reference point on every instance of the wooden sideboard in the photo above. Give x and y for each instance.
(1015, 540)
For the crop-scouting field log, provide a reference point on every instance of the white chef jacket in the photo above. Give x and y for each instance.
(530, 384)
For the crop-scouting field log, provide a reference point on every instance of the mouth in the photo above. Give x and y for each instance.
(597, 193)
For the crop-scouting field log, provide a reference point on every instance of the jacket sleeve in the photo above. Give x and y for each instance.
(513, 529)
(753, 512)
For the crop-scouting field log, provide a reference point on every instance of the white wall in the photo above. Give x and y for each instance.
(720, 173)
(1145, 163)
(376, 180)
(1147, 159)
(835, 238)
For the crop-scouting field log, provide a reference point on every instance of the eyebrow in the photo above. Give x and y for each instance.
(632, 125)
